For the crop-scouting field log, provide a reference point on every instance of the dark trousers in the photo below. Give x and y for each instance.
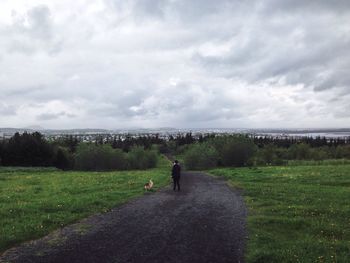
(176, 180)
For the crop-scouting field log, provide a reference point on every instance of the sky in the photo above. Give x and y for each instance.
(175, 63)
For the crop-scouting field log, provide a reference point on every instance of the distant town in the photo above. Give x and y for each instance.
(93, 135)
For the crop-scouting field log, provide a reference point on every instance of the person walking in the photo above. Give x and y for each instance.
(175, 174)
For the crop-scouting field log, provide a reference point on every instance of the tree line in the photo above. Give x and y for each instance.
(140, 152)
(243, 150)
(287, 142)
(69, 153)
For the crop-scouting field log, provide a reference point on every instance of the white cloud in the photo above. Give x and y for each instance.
(112, 63)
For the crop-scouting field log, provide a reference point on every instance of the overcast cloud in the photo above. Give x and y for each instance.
(174, 63)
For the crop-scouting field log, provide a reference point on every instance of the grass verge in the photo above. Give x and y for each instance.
(34, 202)
(296, 214)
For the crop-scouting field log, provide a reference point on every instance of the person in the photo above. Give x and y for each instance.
(175, 174)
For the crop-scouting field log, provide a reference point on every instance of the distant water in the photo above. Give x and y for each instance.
(328, 133)
(312, 134)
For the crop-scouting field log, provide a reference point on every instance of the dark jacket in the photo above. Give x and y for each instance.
(176, 171)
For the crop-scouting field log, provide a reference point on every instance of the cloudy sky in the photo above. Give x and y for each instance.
(174, 63)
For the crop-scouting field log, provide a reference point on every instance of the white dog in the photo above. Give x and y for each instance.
(149, 185)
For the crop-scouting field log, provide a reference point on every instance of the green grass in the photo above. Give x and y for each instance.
(34, 202)
(296, 213)
(320, 162)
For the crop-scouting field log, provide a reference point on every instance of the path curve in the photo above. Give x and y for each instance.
(204, 222)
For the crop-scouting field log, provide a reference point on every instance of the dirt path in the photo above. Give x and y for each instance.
(205, 222)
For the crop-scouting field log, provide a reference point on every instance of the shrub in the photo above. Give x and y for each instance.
(1, 151)
(321, 153)
(299, 152)
(235, 150)
(163, 148)
(181, 149)
(343, 151)
(201, 156)
(237, 153)
(172, 146)
(91, 157)
(270, 155)
(63, 159)
(139, 158)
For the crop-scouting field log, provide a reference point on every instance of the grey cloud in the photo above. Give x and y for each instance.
(181, 101)
(197, 10)
(232, 62)
(24, 90)
(54, 116)
(210, 114)
(188, 102)
(179, 12)
(299, 54)
(120, 106)
(153, 8)
(32, 31)
(35, 23)
(288, 6)
(341, 107)
(7, 110)
(138, 10)
(39, 23)
(343, 113)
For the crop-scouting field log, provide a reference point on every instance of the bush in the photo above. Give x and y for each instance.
(163, 148)
(139, 158)
(181, 149)
(321, 153)
(201, 156)
(1, 151)
(300, 151)
(343, 152)
(91, 157)
(63, 159)
(271, 155)
(237, 153)
(234, 150)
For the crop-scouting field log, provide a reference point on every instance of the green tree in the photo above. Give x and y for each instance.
(139, 158)
(63, 160)
(92, 157)
(201, 156)
(234, 150)
(28, 150)
(299, 152)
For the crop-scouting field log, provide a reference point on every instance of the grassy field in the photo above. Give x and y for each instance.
(35, 201)
(320, 162)
(296, 214)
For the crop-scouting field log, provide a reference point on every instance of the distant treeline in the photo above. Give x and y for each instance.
(140, 152)
(68, 153)
(318, 141)
(27, 150)
(188, 138)
(243, 150)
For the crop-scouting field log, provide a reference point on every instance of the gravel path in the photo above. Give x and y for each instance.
(204, 222)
